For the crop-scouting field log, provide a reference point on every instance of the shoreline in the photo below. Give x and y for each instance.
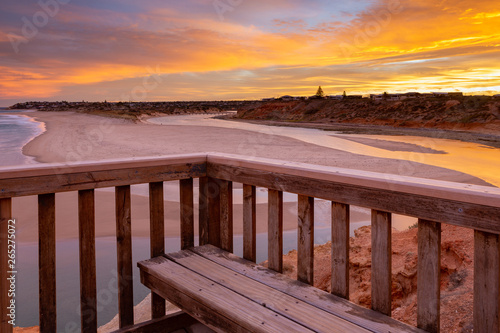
(71, 136)
(489, 138)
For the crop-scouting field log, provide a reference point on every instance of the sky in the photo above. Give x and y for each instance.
(154, 50)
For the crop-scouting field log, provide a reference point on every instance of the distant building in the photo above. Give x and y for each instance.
(439, 94)
(287, 98)
(376, 97)
(354, 97)
(412, 95)
(336, 97)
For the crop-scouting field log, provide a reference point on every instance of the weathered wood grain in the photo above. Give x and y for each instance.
(381, 276)
(213, 193)
(203, 211)
(187, 213)
(423, 205)
(226, 215)
(47, 262)
(157, 237)
(364, 317)
(275, 230)
(96, 178)
(340, 250)
(305, 240)
(88, 289)
(5, 216)
(212, 304)
(281, 303)
(123, 209)
(249, 223)
(486, 282)
(429, 276)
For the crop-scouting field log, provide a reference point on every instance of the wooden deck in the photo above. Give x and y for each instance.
(230, 294)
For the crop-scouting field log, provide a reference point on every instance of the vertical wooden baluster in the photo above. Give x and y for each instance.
(249, 223)
(381, 262)
(187, 213)
(203, 211)
(429, 275)
(157, 236)
(305, 240)
(213, 193)
(340, 250)
(47, 262)
(5, 216)
(226, 215)
(486, 282)
(275, 230)
(86, 223)
(124, 256)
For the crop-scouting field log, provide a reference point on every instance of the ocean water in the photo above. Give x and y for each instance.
(15, 132)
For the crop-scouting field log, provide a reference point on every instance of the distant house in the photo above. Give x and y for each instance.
(336, 97)
(287, 98)
(354, 97)
(411, 95)
(376, 97)
(440, 94)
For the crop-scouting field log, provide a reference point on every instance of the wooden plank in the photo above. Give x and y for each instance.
(187, 213)
(305, 240)
(249, 223)
(5, 217)
(340, 250)
(483, 195)
(281, 303)
(170, 323)
(213, 194)
(213, 305)
(381, 277)
(471, 215)
(429, 276)
(366, 318)
(486, 282)
(64, 182)
(226, 215)
(47, 262)
(157, 236)
(124, 256)
(275, 230)
(203, 211)
(88, 289)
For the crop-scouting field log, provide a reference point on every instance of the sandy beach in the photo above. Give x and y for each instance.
(80, 137)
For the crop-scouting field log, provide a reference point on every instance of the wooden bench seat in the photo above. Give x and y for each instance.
(230, 294)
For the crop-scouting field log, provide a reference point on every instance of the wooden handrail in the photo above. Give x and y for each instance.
(433, 202)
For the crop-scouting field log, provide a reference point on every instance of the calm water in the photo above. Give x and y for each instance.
(17, 130)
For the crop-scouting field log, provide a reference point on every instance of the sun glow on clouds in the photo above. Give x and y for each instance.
(259, 49)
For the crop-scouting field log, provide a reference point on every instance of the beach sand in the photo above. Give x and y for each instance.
(81, 137)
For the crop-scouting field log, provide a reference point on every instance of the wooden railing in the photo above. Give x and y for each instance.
(432, 202)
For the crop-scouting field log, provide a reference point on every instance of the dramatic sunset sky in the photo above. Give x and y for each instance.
(243, 49)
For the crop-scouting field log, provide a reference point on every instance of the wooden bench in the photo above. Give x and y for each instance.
(230, 294)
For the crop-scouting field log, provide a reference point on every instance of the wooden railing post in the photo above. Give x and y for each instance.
(305, 240)
(213, 193)
(124, 256)
(88, 292)
(381, 262)
(249, 223)
(203, 211)
(187, 213)
(47, 262)
(429, 275)
(340, 250)
(275, 230)
(157, 236)
(5, 216)
(226, 215)
(486, 282)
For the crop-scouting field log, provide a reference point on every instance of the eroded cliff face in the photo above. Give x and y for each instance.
(457, 252)
(466, 113)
